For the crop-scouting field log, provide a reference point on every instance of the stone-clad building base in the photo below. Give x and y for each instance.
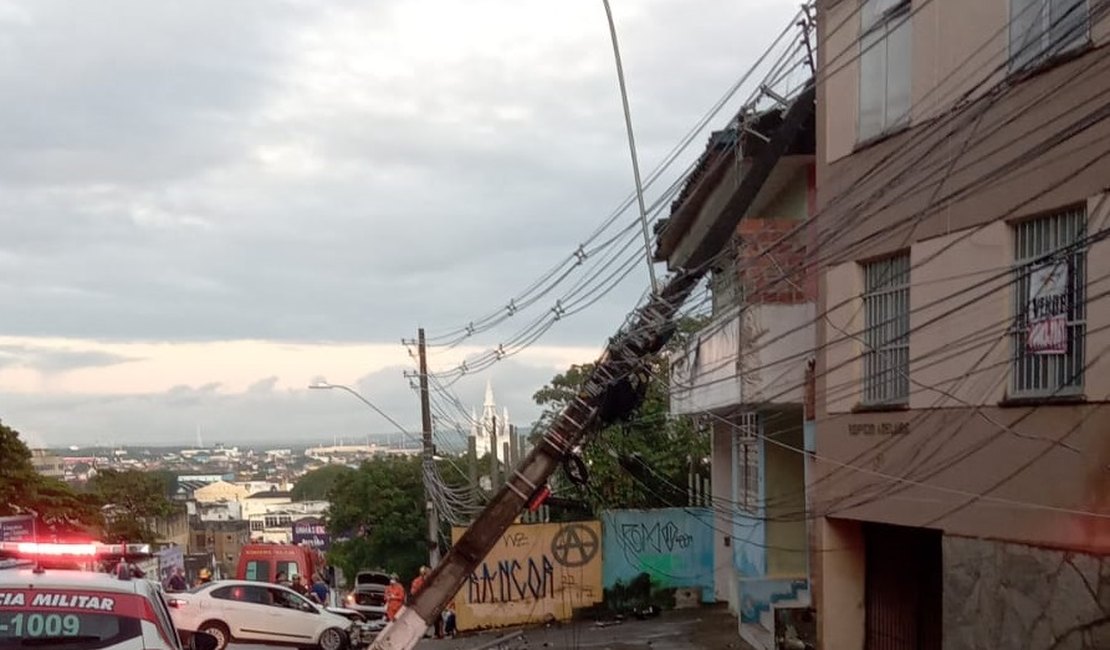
(1001, 595)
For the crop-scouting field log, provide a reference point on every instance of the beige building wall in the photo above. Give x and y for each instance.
(784, 493)
(959, 49)
(962, 358)
(839, 584)
(220, 491)
(724, 576)
(842, 287)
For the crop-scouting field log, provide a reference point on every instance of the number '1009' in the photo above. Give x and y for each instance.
(36, 625)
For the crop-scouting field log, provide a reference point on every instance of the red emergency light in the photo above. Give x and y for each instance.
(35, 548)
(72, 549)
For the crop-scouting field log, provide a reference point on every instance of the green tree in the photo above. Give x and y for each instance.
(643, 461)
(380, 508)
(56, 505)
(133, 500)
(318, 483)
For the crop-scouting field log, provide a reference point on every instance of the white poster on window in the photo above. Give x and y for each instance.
(1048, 309)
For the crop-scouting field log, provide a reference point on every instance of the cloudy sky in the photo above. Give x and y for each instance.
(206, 205)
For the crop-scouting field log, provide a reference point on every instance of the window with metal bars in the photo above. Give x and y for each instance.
(746, 439)
(1048, 338)
(886, 336)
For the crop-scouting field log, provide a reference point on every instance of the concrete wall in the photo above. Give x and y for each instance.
(721, 486)
(672, 545)
(786, 502)
(999, 595)
(536, 571)
(839, 584)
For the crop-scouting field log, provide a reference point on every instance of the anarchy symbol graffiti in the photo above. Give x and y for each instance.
(574, 545)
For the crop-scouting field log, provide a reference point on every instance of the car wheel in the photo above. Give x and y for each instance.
(333, 638)
(218, 630)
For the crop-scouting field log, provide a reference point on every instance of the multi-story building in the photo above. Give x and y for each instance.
(960, 488)
(48, 463)
(222, 540)
(743, 372)
(275, 522)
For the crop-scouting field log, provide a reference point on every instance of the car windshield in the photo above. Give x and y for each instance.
(69, 619)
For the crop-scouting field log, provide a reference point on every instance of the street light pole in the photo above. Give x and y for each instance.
(433, 515)
(632, 147)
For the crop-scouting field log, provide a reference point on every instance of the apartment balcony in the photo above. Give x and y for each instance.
(751, 356)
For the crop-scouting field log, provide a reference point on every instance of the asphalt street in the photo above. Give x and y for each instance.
(710, 628)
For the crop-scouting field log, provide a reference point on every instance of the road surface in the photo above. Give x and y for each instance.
(691, 629)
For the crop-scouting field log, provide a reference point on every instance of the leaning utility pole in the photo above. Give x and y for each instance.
(612, 391)
(429, 450)
(614, 388)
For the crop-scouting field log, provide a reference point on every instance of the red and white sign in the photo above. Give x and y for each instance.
(120, 604)
(1048, 309)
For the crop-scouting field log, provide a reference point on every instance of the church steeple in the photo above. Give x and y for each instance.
(492, 420)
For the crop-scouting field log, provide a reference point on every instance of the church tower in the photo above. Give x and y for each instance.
(493, 422)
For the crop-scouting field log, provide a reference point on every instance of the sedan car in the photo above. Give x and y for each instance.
(368, 596)
(247, 611)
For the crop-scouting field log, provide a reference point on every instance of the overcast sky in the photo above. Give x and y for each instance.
(206, 205)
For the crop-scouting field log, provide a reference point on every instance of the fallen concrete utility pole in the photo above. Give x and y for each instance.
(613, 390)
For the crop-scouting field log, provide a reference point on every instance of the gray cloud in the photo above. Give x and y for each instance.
(263, 414)
(52, 360)
(292, 170)
(135, 204)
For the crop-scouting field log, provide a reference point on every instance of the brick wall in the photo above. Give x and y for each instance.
(771, 273)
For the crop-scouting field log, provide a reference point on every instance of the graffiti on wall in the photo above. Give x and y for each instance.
(674, 546)
(535, 572)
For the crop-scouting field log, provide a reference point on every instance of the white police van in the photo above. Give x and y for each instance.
(81, 610)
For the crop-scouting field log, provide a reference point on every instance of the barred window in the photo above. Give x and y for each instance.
(886, 305)
(1048, 338)
(745, 443)
(1042, 29)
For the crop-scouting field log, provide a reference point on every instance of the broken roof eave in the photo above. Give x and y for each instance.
(680, 233)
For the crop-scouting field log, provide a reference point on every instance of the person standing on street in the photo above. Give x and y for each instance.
(300, 585)
(177, 581)
(320, 588)
(394, 597)
(418, 582)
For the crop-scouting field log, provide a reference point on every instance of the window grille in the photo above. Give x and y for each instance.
(1048, 337)
(886, 305)
(746, 438)
(1042, 29)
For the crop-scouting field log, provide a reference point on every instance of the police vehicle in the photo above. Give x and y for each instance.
(73, 609)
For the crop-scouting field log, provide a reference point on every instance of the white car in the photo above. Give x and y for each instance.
(257, 612)
(83, 610)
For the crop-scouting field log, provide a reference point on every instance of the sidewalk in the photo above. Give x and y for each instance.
(710, 628)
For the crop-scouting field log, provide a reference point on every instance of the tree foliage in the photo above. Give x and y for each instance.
(56, 506)
(643, 461)
(318, 483)
(133, 499)
(380, 508)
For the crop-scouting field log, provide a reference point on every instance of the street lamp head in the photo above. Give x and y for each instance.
(320, 384)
